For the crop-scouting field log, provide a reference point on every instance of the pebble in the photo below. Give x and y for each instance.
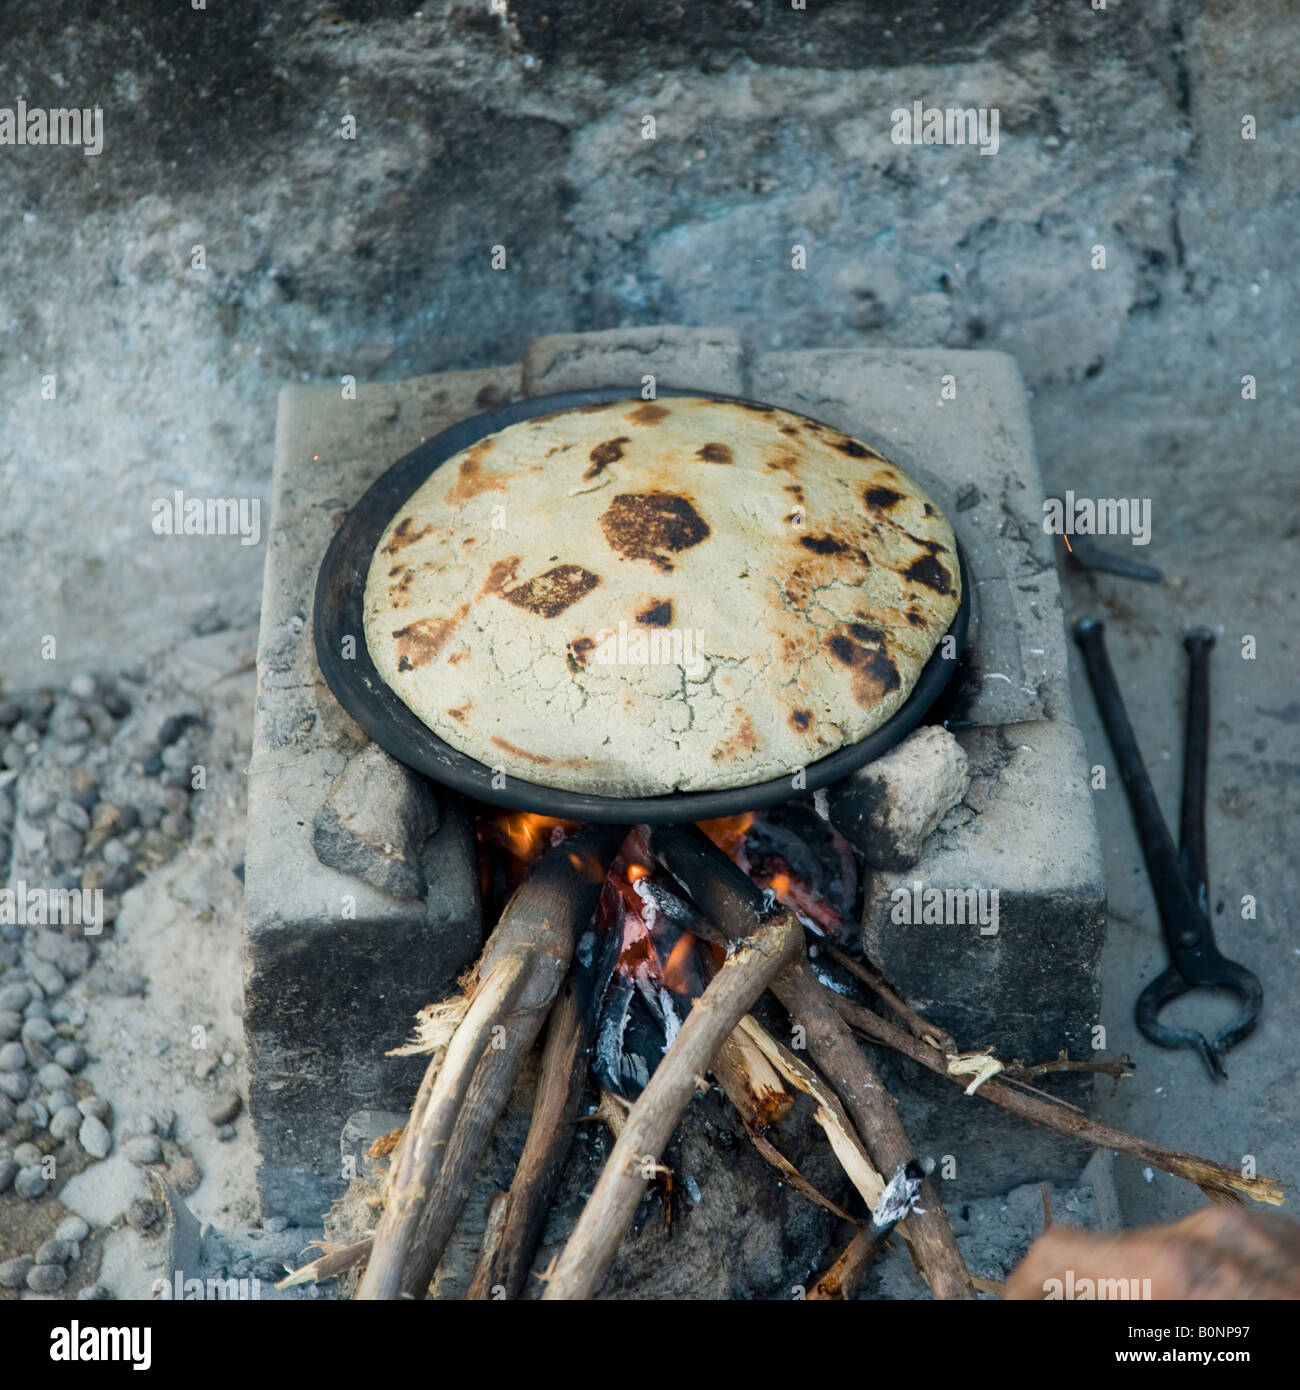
(62, 1099)
(73, 730)
(49, 977)
(66, 1123)
(143, 1215)
(136, 673)
(93, 1293)
(117, 704)
(226, 1133)
(12, 1057)
(144, 1149)
(176, 759)
(151, 767)
(38, 1008)
(173, 727)
(94, 1137)
(125, 982)
(72, 814)
(175, 826)
(14, 1084)
(71, 1056)
(72, 1228)
(47, 1278)
(6, 806)
(185, 1175)
(114, 852)
(10, 713)
(95, 1106)
(54, 1252)
(27, 1155)
(39, 805)
(82, 685)
(64, 843)
(25, 732)
(10, 1023)
(53, 1077)
(30, 1183)
(8, 1172)
(225, 1107)
(276, 1224)
(151, 816)
(15, 995)
(176, 801)
(12, 756)
(227, 1059)
(203, 1068)
(140, 1124)
(32, 1112)
(13, 1273)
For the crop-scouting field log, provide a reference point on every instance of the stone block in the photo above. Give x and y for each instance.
(375, 820)
(889, 808)
(710, 358)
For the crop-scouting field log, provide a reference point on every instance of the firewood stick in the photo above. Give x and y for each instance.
(731, 901)
(517, 977)
(503, 1267)
(751, 1082)
(1214, 1179)
(651, 1121)
(755, 1089)
(846, 1273)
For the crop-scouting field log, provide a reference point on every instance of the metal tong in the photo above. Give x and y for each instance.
(1179, 878)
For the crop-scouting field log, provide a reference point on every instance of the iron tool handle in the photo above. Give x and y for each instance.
(1185, 933)
(1191, 833)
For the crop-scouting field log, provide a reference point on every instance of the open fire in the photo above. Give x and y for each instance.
(647, 958)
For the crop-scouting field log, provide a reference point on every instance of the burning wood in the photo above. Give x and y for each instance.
(510, 1243)
(480, 1044)
(651, 1121)
(730, 900)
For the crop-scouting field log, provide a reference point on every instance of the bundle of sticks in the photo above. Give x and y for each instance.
(532, 970)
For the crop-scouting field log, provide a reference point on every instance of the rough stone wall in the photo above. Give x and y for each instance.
(372, 258)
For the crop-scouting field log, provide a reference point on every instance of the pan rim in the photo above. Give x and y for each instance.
(338, 613)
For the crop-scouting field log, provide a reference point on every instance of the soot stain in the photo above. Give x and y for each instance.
(550, 593)
(645, 525)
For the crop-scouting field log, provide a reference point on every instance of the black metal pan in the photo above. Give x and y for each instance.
(339, 613)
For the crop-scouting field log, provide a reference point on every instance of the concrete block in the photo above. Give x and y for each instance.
(335, 968)
(1026, 983)
(974, 454)
(711, 358)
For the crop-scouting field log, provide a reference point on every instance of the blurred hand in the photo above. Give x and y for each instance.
(1220, 1252)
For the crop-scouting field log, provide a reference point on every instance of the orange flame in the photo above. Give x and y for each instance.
(727, 832)
(675, 972)
(528, 836)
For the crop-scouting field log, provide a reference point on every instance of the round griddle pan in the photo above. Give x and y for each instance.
(340, 590)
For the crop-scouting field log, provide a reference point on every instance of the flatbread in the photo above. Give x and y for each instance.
(649, 596)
